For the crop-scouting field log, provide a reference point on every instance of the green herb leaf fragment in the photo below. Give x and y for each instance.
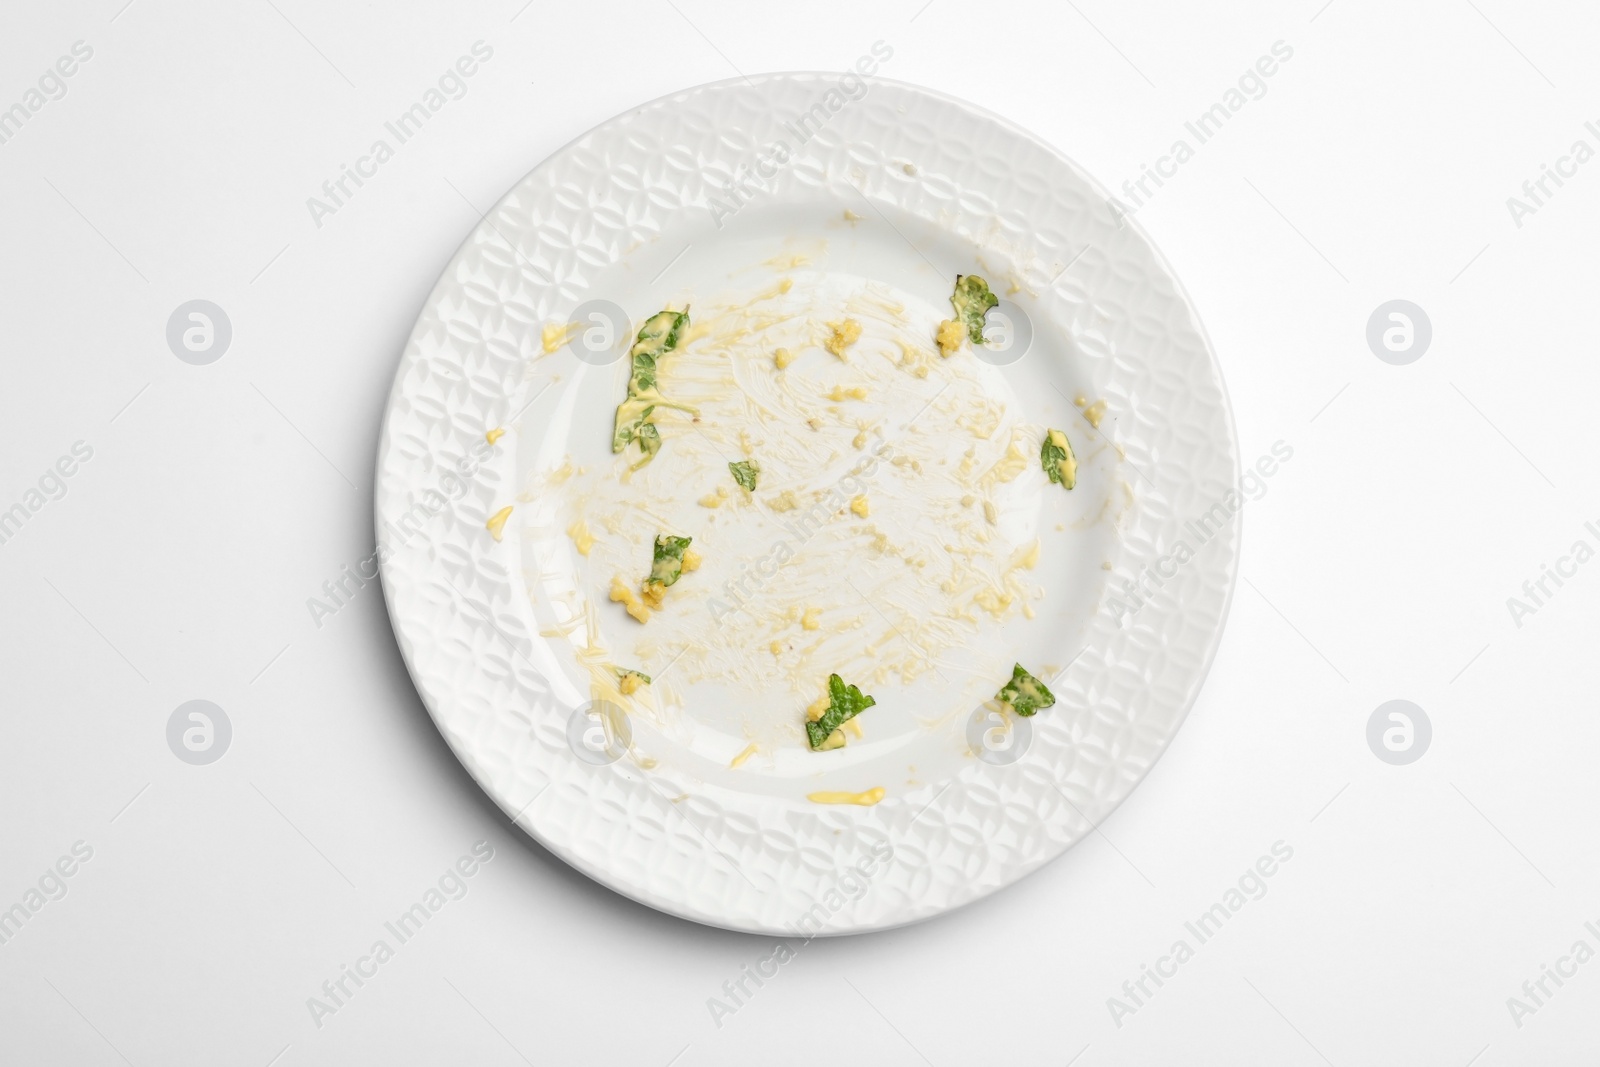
(1024, 694)
(845, 702)
(972, 301)
(649, 438)
(745, 472)
(636, 415)
(1060, 465)
(667, 566)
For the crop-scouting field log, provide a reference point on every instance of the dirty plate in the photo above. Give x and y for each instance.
(902, 532)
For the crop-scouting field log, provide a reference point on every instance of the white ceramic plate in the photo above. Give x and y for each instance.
(879, 195)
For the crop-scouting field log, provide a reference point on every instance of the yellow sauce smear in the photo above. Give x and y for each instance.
(582, 539)
(497, 523)
(556, 334)
(749, 750)
(495, 434)
(865, 800)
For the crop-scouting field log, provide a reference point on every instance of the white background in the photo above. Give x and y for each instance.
(220, 498)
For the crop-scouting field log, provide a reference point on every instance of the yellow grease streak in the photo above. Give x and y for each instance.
(866, 800)
(556, 334)
(497, 523)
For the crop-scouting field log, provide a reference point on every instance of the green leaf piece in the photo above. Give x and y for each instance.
(1060, 465)
(1024, 694)
(972, 301)
(658, 336)
(667, 566)
(745, 472)
(845, 702)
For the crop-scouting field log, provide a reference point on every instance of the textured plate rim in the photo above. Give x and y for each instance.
(384, 503)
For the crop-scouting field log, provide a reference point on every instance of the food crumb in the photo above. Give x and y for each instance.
(628, 599)
(1029, 558)
(495, 434)
(859, 505)
(950, 335)
(782, 357)
(582, 539)
(497, 522)
(844, 335)
(811, 620)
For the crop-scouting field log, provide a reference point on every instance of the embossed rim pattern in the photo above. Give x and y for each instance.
(741, 862)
